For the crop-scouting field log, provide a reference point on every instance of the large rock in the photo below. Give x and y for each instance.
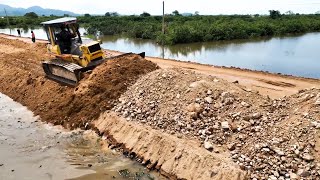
(208, 146)
(307, 157)
(315, 124)
(208, 100)
(245, 104)
(256, 115)
(303, 173)
(294, 176)
(194, 107)
(225, 125)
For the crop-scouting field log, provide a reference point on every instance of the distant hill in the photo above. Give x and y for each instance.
(12, 11)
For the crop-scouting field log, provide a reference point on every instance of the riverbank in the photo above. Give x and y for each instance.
(161, 115)
(52, 152)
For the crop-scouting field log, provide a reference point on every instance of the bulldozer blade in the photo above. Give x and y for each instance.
(96, 63)
(62, 72)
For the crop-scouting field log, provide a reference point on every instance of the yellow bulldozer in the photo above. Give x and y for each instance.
(72, 57)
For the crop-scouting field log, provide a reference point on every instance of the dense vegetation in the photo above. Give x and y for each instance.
(29, 20)
(182, 29)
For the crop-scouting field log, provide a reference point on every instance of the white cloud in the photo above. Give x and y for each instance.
(155, 6)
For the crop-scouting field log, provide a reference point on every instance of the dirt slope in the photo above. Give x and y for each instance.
(23, 80)
(174, 157)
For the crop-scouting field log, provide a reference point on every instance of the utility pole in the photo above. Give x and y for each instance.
(163, 28)
(7, 19)
(7, 16)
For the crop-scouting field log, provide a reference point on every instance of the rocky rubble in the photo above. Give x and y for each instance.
(271, 139)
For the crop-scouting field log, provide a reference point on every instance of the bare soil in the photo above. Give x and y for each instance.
(23, 80)
(261, 126)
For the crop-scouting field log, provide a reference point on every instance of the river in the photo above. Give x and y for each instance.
(30, 149)
(292, 55)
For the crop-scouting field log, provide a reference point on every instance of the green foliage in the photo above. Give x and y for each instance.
(180, 29)
(32, 15)
(176, 13)
(24, 21)
(274, 14)
(145, 14)
(87, 15)
(115, 14)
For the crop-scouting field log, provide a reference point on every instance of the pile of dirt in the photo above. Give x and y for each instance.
(100, 90)
(271, 139)
(24, 81)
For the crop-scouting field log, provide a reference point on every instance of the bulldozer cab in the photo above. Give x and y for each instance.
(63, 35)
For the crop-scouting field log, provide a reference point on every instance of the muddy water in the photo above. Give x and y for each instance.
(33, 150)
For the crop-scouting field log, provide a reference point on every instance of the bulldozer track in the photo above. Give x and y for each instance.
(62, 72)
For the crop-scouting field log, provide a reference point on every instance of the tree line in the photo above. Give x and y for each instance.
(200, 28)
(187, 29)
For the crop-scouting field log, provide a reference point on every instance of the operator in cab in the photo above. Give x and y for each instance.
(65, 40)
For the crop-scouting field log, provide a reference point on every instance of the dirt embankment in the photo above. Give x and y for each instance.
(268, 138)
(23, 80)
(173, 157)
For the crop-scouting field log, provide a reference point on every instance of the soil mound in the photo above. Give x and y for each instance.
(268, 138)
(23, 80)
(100, 90)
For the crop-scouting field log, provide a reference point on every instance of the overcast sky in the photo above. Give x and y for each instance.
(155, 6)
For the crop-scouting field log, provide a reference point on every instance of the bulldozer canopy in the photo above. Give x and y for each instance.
(58, 22)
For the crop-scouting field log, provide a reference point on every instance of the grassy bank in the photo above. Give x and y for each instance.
(180, 29)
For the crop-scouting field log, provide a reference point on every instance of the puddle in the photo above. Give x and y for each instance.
(30, 149)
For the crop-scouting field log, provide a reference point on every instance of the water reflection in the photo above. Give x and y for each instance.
(295, 55)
